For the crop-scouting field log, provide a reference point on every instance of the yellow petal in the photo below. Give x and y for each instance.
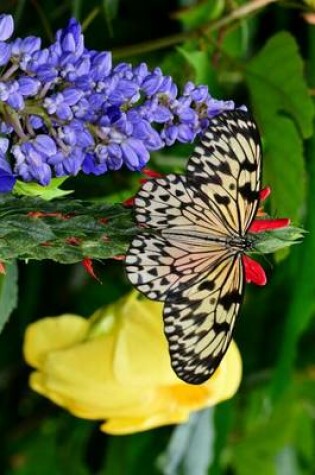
(115, 366)
(141, 353)
(130, 425)
(52, 333)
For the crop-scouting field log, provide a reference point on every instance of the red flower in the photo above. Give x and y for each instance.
(254, 273)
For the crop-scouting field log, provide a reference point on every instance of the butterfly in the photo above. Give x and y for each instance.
(194, 232)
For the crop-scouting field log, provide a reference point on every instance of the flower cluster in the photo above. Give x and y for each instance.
(65, 109)
(115, 366)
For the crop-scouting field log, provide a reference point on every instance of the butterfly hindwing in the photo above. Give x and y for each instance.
(161, 268)
(199, 323)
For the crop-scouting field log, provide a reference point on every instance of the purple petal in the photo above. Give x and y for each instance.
(151, 84)
(5, 53)
(28, 86)
(45, 145)
(102, 65)
(185, 134)
(135, 154)
(72, 96)
(6, 27)
(16, 101)
(64, 112)
(4, 145)
(7, 181)
(161, 114)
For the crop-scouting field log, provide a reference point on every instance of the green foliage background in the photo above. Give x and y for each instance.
(266, 60)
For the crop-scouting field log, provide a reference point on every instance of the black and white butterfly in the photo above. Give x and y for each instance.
(191, 258)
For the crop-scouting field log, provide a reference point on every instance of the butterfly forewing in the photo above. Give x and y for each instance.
(169, 203)
(189, 253)
(226, 167)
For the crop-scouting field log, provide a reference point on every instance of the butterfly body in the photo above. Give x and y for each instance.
(194, 234)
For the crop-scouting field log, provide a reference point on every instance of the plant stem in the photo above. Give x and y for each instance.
(249, 8)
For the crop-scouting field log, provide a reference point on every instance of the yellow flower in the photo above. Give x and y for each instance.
(115, 367)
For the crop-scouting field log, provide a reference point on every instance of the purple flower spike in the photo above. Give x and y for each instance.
(92, 117)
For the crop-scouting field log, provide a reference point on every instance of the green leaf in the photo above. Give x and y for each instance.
(47, 193)
(276, 239)
(111, 8)
(8, 293)
(64, 231)
(285, 113)
(267, 431)
(200, 61)
(190, 448)
(197, 14)
(58, 444)
(301, 305)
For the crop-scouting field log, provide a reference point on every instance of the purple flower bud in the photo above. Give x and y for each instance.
(71, 96)
(101, 65)
(140, 72)
(200, 94)
(6, 27)
(27, 45)
(40, 172)
(161, 114)
(16, 101)
(64, 112)
(4, 145)
(113, 113)
(169, 134)
(185, 134)
(5, 129)
(44, 145)
(128, 88)
(73, 163)
(5, 53)
(36, 122)
(28, 86)
(188, 115)
(151, 84)
(123, 70)
(7, 179)
(71, 39)
(4, 91)
(90, 166)
(168, 87)
(215, 107)
(96, 101)
(30, 164)
(134, 153)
